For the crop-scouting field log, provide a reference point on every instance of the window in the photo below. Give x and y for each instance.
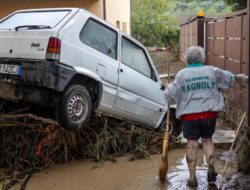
(99, 37)
(134, 57)
(47, 18)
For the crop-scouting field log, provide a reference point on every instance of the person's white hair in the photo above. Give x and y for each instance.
(195, 54)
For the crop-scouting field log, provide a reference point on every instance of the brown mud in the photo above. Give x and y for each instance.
(126, 175)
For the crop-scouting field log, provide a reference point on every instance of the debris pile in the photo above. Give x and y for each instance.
(29, 143)
(232, 117)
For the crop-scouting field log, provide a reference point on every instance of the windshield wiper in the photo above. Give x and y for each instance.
(32, 27)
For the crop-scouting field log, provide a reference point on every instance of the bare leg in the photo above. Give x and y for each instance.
(192, 148)
(208, 148)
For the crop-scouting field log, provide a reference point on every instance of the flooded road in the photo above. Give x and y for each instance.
(125, 175)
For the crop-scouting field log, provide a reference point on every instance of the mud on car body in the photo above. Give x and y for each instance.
(77, 63)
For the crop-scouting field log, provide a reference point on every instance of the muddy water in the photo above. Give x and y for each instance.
(124, 175)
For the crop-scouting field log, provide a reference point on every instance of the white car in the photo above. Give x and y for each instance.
(78, 63)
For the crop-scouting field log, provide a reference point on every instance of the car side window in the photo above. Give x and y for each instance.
(134, 56)
(100, 37)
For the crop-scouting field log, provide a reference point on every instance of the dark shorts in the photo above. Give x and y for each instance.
(200, 128)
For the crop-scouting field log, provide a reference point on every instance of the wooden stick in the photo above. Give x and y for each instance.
(168, 67)
(168, 113)
(231, 148)
(19, 111)
(17, 124)
(31, 116)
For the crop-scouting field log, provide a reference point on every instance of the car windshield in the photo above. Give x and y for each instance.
(46, 18)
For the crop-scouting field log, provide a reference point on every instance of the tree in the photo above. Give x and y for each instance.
(151, 22)
(237, 4)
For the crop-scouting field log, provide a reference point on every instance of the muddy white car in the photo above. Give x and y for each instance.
(76, 62)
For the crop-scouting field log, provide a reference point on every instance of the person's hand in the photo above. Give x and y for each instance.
(166, 84)
(241, 77)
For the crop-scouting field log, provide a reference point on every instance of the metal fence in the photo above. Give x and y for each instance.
(226, 47)
(225, 40)
(226, 43)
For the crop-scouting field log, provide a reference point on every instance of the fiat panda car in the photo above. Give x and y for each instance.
(77, 63)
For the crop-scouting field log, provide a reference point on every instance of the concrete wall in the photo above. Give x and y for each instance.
(118, 13)
(9, 6)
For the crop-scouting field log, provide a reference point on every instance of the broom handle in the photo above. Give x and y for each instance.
(168, 113)
(168, 116)
(166, 135)
(231, 148)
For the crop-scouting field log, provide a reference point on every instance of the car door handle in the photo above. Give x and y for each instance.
(121, 70)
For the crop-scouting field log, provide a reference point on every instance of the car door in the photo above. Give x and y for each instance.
(96, 54)
(139, 90)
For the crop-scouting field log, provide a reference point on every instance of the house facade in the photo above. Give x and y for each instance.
(116, 12)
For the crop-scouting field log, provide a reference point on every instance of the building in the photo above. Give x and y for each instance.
(116, 12)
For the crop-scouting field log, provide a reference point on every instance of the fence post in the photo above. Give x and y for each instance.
(200, 32)
(248, 51)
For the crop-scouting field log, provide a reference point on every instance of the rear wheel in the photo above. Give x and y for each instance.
(74, 108)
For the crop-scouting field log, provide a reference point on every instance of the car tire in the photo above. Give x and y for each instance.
(74, 108)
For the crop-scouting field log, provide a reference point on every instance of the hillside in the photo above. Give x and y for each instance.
(184, 9)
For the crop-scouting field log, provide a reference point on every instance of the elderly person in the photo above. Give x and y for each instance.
(197, 92)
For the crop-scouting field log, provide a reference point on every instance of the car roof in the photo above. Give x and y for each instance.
(48, 9)
(71, 9)
(75, 9)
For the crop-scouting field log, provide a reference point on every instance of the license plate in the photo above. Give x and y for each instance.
(10, 69)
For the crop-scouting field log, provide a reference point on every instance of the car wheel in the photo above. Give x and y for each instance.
(74, 108)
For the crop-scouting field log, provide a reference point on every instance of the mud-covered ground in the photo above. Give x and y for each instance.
(126, 175)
